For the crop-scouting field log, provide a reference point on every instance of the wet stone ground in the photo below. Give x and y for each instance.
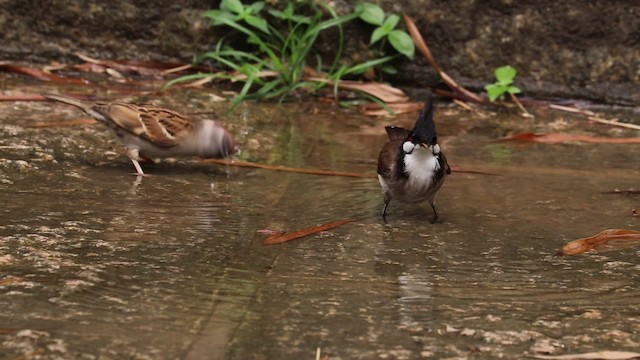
(95, 263)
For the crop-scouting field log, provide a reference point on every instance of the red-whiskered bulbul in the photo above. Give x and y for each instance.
(411, 167)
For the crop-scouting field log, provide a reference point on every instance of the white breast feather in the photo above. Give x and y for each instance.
(421, 166)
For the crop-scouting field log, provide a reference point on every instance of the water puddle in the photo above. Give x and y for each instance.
(96, 263)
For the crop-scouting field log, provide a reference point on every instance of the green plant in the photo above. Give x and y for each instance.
(281, 43)
(386, 28)
(504, 78)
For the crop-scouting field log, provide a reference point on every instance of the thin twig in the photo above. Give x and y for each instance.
(594, 117)
(286, 168)
(515, 99)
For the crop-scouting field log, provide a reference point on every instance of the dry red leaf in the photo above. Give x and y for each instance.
(613, 239)
(566, 138)
(278, 239)
(22, 97)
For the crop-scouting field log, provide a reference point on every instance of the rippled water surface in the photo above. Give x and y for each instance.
(96, 263)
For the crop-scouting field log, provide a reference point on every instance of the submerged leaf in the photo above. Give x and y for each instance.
(613, 239)
(278, 239)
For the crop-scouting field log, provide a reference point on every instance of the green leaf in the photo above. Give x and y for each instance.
(290, 16)
(389, 69)
(288, 11)
(402, 42)
(258, 23)
(192, 77)
(276, 14)
(513, 90)
(378, 34)
(370, 13)
(505, 74)
(495, 91)
(219, 17)
(301, 19)
(232, 5)
(363, 67)
(391, 22)
(256, 7)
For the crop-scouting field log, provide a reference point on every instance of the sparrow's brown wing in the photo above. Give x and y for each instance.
(159, 126)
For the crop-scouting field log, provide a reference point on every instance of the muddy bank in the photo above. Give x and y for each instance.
(561, 49)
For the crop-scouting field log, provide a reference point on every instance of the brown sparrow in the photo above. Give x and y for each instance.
(149, 132)
(411, 167)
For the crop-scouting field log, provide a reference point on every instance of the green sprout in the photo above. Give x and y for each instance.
(504, 78)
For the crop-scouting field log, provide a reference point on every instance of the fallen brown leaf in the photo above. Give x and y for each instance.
(278, 239)
(612, 239)
(566, 138)
(382, 91)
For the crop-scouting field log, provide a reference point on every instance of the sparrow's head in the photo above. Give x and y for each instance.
(214, 141)
(424, 131)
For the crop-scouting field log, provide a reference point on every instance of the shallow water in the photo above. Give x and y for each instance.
(96, 263)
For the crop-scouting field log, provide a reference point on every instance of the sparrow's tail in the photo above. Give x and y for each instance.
(84, 105)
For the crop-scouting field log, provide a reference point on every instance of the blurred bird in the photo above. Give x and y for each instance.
(411, 167)
(149, 132)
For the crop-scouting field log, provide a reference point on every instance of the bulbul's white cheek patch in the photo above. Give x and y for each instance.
(408, 147)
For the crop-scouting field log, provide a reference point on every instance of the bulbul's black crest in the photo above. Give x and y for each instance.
(424, 131)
